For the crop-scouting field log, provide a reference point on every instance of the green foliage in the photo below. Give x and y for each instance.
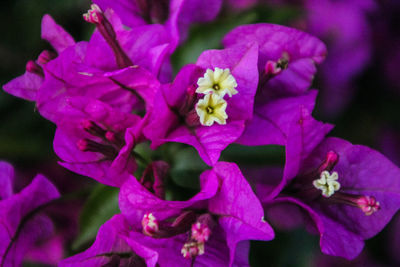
(101, 205)
(256, 155)
(187, 168)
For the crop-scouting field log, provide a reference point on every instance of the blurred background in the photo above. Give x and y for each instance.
(359, 85)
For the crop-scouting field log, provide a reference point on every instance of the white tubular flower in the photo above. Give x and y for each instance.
(219, 82)
(327, 183)
(211, 109)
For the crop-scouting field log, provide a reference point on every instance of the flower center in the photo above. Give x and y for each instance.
(216, 87)
(210, 110)
(110, 142)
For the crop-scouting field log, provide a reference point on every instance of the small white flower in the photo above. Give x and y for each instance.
(327, 183)
(219, 82)
(211, 109)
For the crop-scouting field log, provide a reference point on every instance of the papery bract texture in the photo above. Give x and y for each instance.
(95, 140)
(302, 51)
(21, 225)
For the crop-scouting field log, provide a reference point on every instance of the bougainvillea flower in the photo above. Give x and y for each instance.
(287, 57)
(179, 109)
(367, 197)
(21, 225)
(116, 66)
(175, 15)
(129, 89)
(225, 209)
(286, 65)
(27, 85)
(95, 140)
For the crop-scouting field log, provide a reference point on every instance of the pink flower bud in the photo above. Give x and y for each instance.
(46, 56)
(368, 204)
(33, 67)
(149, 224)
(200, 232)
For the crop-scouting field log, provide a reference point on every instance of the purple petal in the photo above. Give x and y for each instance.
(242, 214)
(126, 9)
(187, 76)
(367, 172)
(55, 34)
(303, 50)
(6, 180)
(110, 171)
(209, 141)
(18, 230)
(138, 80)
(36, 230)
(271, 121)
(110, 240)
(305, 133)
(147, 46)
(161, 120)
(185, 12)
(275, 39)
(24, 86)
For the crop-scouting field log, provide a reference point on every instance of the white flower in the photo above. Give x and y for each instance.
(219, 82)
(327, 183)
(211, 109)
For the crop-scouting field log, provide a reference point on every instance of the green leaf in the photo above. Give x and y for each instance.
(254, 155)
(101, 205)
(186, 168)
